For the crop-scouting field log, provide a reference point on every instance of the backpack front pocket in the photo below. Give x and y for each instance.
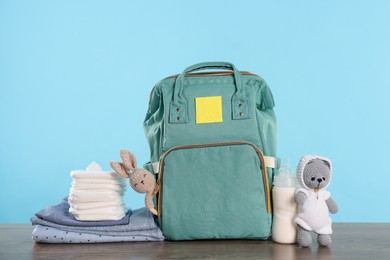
(214, 191)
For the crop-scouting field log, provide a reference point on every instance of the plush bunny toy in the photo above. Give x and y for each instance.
(142, 181)
(314, 202)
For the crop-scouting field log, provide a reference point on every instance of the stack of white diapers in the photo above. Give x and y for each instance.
(97, 195)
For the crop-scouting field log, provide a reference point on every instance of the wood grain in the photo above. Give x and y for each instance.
(350, 241)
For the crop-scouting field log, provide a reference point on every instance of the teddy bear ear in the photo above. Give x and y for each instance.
(326, 163)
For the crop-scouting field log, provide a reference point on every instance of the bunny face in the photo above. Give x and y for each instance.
(142, 181)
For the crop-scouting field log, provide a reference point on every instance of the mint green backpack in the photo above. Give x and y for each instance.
(212, 138)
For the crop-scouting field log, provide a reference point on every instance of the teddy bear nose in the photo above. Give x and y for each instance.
(319, 180)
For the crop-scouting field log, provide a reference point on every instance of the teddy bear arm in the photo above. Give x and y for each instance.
(332, 206)
(300, 198)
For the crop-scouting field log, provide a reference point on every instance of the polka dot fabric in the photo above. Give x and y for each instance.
(43, 234)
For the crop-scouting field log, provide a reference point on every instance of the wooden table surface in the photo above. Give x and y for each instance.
(350, 241)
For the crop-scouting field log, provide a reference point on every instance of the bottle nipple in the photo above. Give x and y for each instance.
(285, 176)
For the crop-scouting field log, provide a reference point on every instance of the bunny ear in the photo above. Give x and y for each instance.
(129, 160)
(119, 168)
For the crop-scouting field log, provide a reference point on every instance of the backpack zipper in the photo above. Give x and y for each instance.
(206, 74)
(258, 152)
(211, 74)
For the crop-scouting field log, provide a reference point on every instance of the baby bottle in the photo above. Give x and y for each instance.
(283, 191)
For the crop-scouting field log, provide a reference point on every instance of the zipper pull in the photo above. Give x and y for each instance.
(316, 190)
(156, 188)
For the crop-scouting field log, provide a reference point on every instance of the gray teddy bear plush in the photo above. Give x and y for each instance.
(314, 202)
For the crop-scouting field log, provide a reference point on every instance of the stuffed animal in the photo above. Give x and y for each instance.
(314, 202)
(142, 181)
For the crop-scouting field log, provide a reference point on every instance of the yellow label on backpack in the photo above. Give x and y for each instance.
(208, 109)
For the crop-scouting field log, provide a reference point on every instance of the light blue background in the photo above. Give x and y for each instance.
(75, 78)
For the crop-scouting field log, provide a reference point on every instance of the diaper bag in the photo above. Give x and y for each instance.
(212, 138)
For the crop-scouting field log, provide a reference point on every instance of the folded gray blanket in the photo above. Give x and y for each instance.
(140, 220)
(43, 234)
(59, 214)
